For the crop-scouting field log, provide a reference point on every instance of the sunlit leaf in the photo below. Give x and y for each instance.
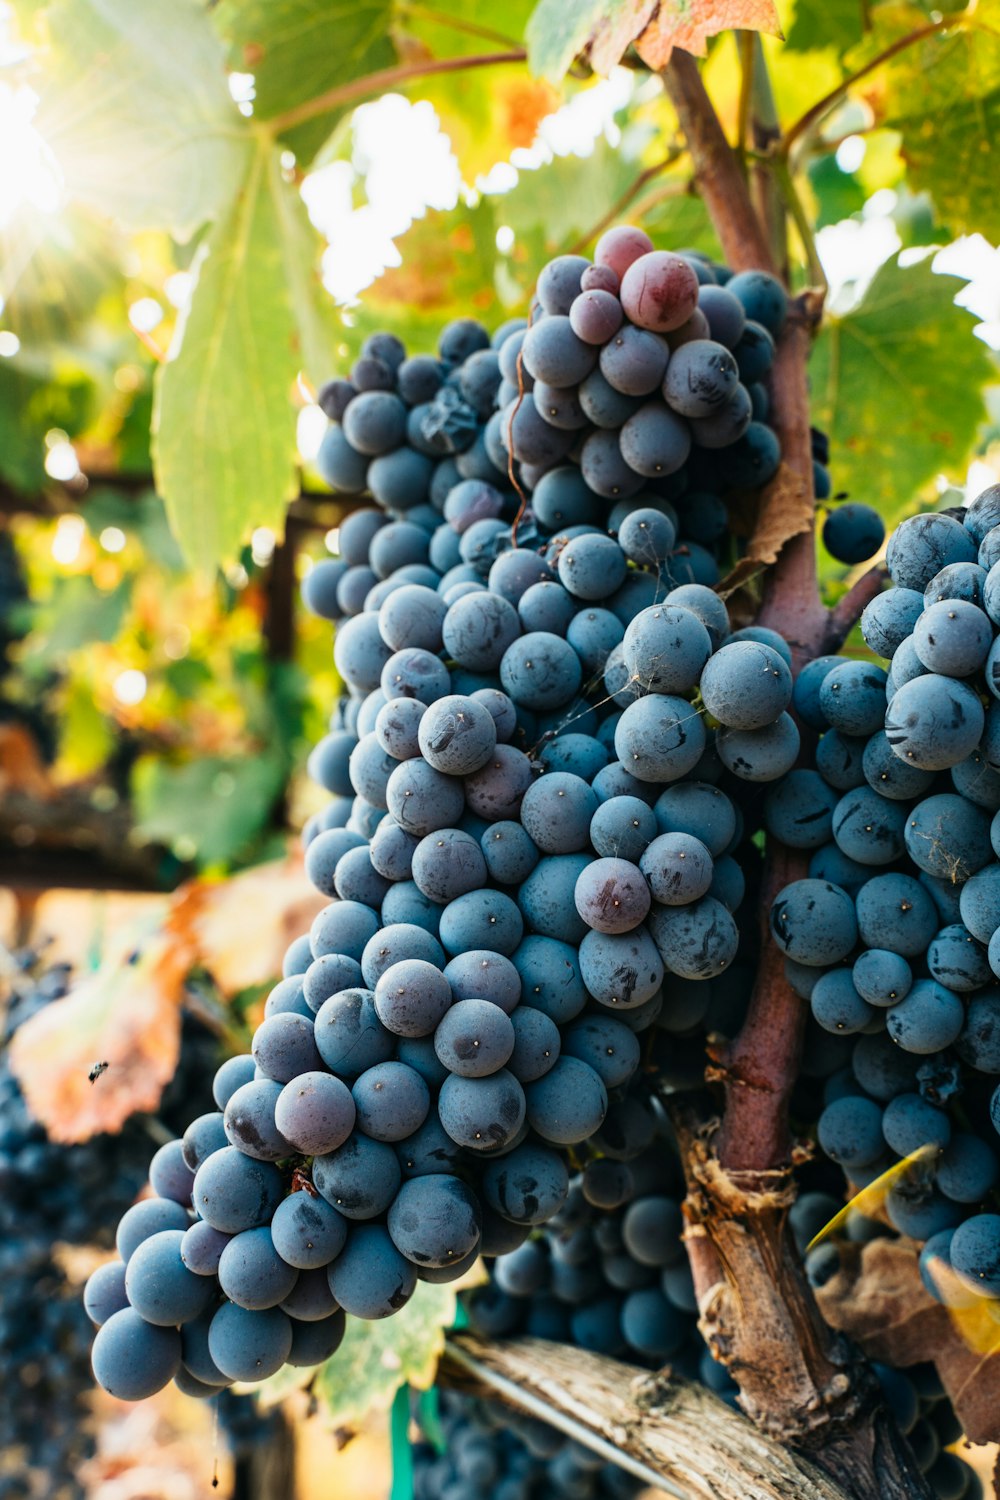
(138, 113)
(224, 424)
(897, 383)
(297, 50)
(127, 1015)
(375, 1359)
(871, 1199)
(947, 150)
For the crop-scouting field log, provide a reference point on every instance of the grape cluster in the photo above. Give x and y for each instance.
(893, 938)
(524, 838)
(496, 1453)
(609, 1272)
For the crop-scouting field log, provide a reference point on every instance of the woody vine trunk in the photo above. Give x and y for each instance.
(800, 1382)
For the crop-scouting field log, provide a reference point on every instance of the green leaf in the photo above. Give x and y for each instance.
(141, 516)
(558, 30)
(838, 194)
(950, 149)
(76, 614)
(138, 112)
(826, 23)
(897, 383)
(300, 49)
(375, 1359)
(214, 806)
(224, 449)
(316, 318)
(563, 200)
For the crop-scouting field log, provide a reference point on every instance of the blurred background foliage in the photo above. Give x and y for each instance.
(203, 211)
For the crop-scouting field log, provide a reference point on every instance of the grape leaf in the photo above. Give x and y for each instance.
(300, 49)
(224, 446)
(897, 382)
(879, 1299)
(126, 1014)
(678, 23)
(375, 1359)
(275, 901)
(826, 23)
(949, 151)
(138, 113)
(218, 805)
(558, 32)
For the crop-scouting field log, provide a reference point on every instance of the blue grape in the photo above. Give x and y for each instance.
(133, 1359)
(359, 1179)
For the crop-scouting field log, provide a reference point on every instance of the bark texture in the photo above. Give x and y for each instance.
(670, 1427)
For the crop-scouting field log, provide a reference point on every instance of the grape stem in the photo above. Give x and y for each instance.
(848, 610)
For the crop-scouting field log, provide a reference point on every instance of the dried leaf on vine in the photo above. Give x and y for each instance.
(879, 1299)
(678, 24)
(604, 29)
(785, 510)
(128, 1014)
(240, 928)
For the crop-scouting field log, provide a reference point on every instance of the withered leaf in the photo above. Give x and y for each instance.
(879, 1300)
(240, 928)
(679, 24)
(785, 510)
(127, 1013)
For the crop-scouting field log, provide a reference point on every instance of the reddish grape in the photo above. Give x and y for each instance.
(620, 247)
(659, 291)
(696, 327)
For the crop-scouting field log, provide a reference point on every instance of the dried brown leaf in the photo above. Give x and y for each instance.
(126, 1014)
(879, 1300)
(240, 928)
(613, 34)
(677, 24)
(21, 766)
(785, 510)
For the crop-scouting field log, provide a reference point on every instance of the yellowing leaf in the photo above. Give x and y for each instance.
(375, 1359)
(127, 1016)
(677, 23)
(785, 510)
(558, 32)
(872, 1198)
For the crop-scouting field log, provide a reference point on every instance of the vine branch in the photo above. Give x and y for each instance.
(807, 122)
(665, 1430)
(386, 78)
(848, 610)
(717, 168)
